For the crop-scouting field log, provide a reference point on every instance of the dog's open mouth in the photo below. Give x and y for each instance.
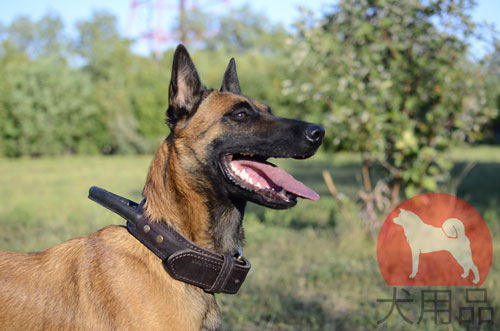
(255, 174)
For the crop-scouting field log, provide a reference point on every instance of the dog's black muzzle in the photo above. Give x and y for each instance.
(296, 139)
(314, 134)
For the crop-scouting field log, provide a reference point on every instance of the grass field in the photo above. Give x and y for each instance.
(312, 270)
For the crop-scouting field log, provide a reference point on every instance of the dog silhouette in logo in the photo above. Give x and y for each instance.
(425, 238)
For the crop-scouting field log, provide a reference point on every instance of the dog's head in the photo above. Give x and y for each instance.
(225, 138)
(406, 218)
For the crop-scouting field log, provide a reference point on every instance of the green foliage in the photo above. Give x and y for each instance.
(42, 38)
(123, 96)
(47, 109)
(149, 98)
(389, 79)
(109, 61)
(392, 80)
(259, 75)
(490, 66)
(244, 30)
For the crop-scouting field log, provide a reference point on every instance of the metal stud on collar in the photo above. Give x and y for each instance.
(239, 256)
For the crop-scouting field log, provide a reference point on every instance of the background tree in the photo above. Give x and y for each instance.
(244, 30)
(392, 80)
(108, 59)
(490, 70)
(128, 92)
(41, 38)
(46, 106)
(47, 109)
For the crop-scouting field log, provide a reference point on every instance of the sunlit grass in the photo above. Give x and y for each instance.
(45, 200)
(312, 269)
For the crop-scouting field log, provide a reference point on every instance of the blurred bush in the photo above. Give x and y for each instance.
(90, 94)
(393, 80)
(47, 108)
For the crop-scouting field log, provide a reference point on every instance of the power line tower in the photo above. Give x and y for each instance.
(148, 21)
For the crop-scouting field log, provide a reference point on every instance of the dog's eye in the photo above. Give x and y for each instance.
(241, 114)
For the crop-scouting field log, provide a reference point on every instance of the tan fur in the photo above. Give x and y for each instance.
(116, 283)
(108, 280)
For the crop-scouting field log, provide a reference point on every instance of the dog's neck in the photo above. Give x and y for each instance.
(213, 224)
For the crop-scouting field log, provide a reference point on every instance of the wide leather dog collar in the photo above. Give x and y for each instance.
(182, 259)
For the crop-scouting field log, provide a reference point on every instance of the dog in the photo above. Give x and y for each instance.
(424, 238)
(213, 161)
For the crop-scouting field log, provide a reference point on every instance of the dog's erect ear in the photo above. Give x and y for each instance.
(185, 89)
(230, 82)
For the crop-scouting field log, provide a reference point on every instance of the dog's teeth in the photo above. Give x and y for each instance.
(235, 169)
(258, 185)
(283, 192)
(250, 180)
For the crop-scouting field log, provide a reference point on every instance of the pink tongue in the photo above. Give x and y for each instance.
(281, 178)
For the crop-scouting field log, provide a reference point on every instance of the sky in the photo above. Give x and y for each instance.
(284, 12)
(72, 11)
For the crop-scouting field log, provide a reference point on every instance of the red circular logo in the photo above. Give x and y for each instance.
(434, 239)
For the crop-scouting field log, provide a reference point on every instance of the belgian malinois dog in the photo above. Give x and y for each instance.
(213, 161)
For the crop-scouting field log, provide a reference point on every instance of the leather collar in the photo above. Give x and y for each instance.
(181, 258)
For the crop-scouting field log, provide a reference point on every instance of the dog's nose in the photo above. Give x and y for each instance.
(315, 133)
